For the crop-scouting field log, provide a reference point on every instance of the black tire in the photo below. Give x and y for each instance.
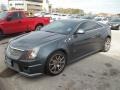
(38, 27)
(107, 44)
(56, 63)
(118, 27)
(1, 35)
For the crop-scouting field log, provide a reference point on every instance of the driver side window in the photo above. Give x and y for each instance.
(89, 25)
(16, 15)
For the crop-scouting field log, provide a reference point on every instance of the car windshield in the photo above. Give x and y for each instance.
(3, 15)
(98, 19)
(115, 20)
(62, 27)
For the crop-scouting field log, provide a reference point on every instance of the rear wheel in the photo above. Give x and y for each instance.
(107, 44)
(38, 27)
(56, 63)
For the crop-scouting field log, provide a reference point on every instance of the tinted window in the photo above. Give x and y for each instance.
(3, 15)
(89, 25)
(16, 15)
(98, 19)
(63, 27)
(115, 20)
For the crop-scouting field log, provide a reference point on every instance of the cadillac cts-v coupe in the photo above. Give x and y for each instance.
(56, 45)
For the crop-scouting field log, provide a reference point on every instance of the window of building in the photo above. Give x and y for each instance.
(19, 4)
(40, 1)
(11, 4)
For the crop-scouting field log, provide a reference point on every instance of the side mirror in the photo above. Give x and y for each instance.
(80, 31)
(9, 18)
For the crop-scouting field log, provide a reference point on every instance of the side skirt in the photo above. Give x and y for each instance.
(82, 57)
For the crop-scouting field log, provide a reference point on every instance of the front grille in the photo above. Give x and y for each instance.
(14, 53)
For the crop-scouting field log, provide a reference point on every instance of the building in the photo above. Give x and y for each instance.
(26, 5)
(29, 5)
(3, 5)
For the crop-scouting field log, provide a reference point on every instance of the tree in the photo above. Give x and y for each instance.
(69, 11)
(12, 8)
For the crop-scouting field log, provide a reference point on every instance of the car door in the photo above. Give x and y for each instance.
(14, 25)
(83, 44)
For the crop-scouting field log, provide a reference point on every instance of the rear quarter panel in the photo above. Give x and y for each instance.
(34, 21)
(105, 31)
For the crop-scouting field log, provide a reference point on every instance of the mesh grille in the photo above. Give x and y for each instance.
(14, 53)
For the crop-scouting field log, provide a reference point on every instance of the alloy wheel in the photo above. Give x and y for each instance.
(57, 63)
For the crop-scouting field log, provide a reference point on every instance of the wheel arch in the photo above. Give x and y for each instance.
(61, 50)
(39, 24)
(108, 36)
(57, 50)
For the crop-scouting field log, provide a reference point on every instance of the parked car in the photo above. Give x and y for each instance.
(56, 45)
(114, 23)
(101, 20)
(87, 17)
(55, 16)
(16, 21)
(64, 16)
(43, 14)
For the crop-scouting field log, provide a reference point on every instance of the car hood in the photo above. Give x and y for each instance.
(34, 39)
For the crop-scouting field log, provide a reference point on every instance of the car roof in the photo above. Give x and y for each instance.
(78, 20)
(82, 20)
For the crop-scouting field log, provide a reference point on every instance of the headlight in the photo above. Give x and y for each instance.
(31, 54)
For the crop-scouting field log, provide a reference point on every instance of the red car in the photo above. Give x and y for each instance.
(17, 21)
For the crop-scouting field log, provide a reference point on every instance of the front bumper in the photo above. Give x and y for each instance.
(30, 69)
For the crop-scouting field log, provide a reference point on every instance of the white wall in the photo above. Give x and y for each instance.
(46, 5)
(4, 4)
(21, 4)
(18, 5)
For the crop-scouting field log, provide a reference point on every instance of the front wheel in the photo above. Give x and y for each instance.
(56, 63)
(107, 44)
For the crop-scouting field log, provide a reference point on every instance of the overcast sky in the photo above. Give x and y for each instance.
(94, 6)
(3, 1)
